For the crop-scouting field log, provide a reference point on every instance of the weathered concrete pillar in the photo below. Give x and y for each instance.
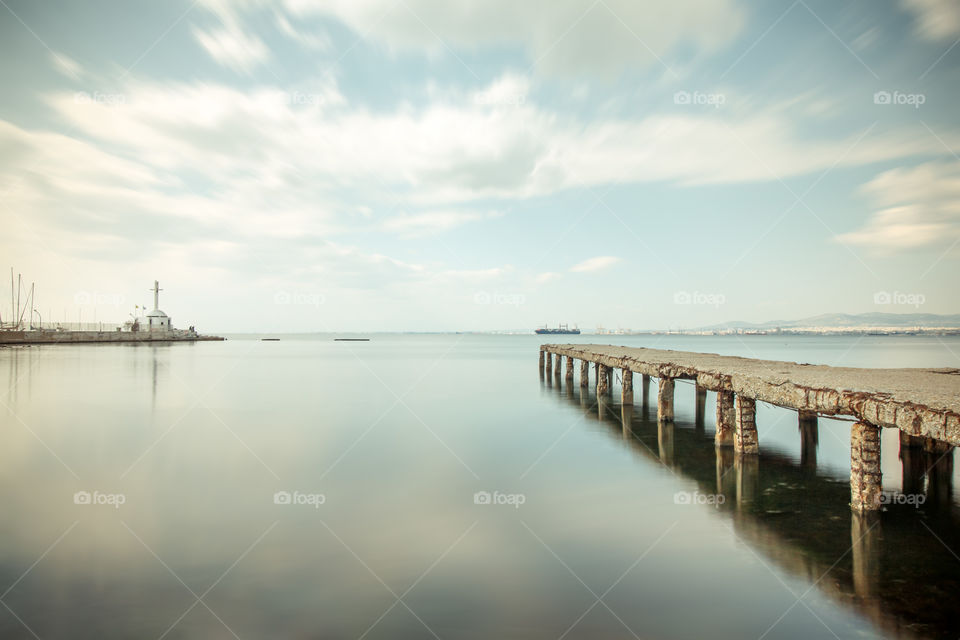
(626, 389)
(665, 400)
(865, 480)
(665, 441)
(559, 368)
(584, 373)
(548, 361)
(569, 375)
(809, 438)
(865, 548)
(541, 360)
(726, 419)
(701, 400)
(745, 432)
(603, 380)
(748, 479)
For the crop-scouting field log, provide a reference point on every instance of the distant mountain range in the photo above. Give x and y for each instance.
(850, 320)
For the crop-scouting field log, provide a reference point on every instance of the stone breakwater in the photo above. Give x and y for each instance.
(9, 338)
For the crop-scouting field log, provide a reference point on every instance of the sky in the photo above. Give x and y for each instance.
(441, 165)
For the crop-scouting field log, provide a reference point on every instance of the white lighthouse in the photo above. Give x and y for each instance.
(157, 320)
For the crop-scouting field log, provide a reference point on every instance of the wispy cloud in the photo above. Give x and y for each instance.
(595, 264)
(936, 19)
(918, 206)
(231, 47)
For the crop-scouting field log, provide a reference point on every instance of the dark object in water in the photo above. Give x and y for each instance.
(351, 339)
(270, 339)
(563, 329)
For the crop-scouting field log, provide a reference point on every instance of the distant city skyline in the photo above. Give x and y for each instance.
(425, 166)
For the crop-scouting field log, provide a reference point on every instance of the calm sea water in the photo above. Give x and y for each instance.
(316, 489)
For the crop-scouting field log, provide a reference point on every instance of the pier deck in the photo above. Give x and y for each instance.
(924, 404)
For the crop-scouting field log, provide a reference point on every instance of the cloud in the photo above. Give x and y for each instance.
(918, 206)
(313, 40)
(434, 221)
(595, 264)
(567, 37)
(936, 19)
(231, 47)
(544, 278)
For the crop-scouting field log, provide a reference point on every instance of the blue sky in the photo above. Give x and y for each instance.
(422, 165)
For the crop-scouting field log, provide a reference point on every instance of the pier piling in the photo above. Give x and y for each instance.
(701, 405)
(726, 419)
(645, 390)
(809, 438)
(569, 375)
(745, 434)
(603, 380)
(865, 479)
(626, 389)
(584, 373)
(665, 400)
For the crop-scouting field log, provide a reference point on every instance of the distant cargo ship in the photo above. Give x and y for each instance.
(562, 329)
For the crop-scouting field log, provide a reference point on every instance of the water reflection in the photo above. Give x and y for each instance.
(894, 568)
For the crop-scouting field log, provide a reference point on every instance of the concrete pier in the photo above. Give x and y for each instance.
(665, 400)
(584, 373)
(726, 419)
(745, 439)
(921, 403)
(569, 375)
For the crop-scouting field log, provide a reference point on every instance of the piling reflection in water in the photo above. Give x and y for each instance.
(894, 567)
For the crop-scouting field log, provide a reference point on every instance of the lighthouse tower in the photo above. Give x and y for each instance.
(157, 320)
